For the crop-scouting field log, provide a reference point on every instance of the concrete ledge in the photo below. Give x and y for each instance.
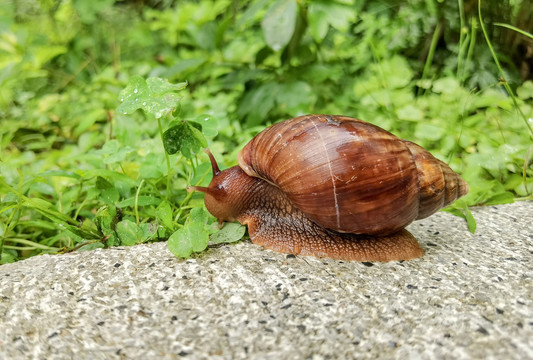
(470, 296)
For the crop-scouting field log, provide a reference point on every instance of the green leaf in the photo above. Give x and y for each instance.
(184, 137)
(148, 231)
(46, 209)
(197, 229)
(89, 227)
(129, 233)
(114, 152)
(447, 85)
(318, 22)
(141, 201)
(279, 23)
(102, 183)
(258, 102)
(193, 237)
(201, 177)
(7, 257)
(88, 120)
(506, 197)
(47, 53)
(180, 243)
(410, 113)
(133, 95)
(250, 12)
(108, 193)
(61, 173)
(40, 203)
(231, 232)
(295, 97)
(92, 246)
(79, 233)
(183, 67)
(525, 91)
(88, 10)
(460, 209)
(153, 166)
(158, 86)
(470, 221)
(42, 224)
(115, 176)
(155, 96)
(113, 240)
(164, 214)
(209, 125)
(106, 219)
(428, 131)
(322, 14)
(396, 71)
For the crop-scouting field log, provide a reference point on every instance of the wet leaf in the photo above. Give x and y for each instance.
(185, 138)
(129, 233)
(155, 96)
(164, 214)
(231, 232)
(193, 237)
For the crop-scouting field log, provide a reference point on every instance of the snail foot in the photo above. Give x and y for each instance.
(280, 226)
(323, 243)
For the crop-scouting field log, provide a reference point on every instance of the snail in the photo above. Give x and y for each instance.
(332, 186)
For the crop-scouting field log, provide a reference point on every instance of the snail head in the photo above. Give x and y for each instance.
(224, 197)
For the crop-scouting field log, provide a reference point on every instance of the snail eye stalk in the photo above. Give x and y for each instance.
(208, 190)
(214, 164)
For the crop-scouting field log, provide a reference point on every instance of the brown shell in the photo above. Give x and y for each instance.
(351, 176)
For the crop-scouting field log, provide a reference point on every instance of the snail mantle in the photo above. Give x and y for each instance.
(332, 186)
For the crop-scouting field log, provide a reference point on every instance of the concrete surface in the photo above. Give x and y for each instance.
(469, 297)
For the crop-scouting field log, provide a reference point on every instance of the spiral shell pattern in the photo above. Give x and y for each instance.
(351, 176)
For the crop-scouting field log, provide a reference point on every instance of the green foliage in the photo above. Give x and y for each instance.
(97, 147)
(279, 23)
(155, 96)
(231, 232)
(193, 237)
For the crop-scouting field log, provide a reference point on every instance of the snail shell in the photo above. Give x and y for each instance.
(351, 176)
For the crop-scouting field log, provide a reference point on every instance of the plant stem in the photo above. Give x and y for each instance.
(186, 200)
(79, 208)
(389, 106)
(524, 169)
(471, 45)
(431, 53)
(511, 27)
(137, 201)
(10, 224)
(462, 34)
(169, 177)
(502, 74)
(30, 243)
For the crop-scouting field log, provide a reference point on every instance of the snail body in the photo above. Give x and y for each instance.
(332, 186)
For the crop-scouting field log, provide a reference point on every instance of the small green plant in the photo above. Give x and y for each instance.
(133, 205)
(158, 100)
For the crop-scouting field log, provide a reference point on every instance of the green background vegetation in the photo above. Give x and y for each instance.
(77, 173)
